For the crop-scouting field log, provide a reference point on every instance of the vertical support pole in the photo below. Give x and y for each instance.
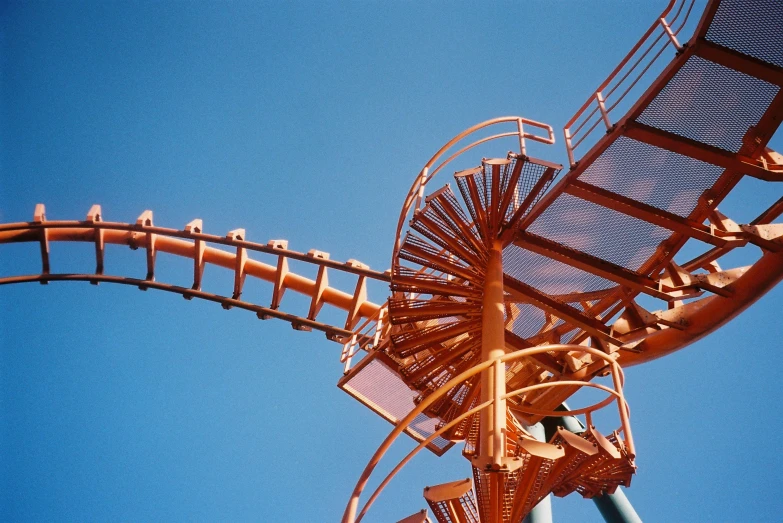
(623, 409)
(493, 380)
(570, 423)
(615, 508)
(39, 216)
(422, 184)
(569, 147)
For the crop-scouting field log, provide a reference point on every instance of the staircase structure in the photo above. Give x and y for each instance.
(516, 285)
(503, 262)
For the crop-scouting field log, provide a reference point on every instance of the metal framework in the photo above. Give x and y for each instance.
(512, 292)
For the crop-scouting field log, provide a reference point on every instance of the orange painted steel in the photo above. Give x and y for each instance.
(516, 281)
(635, 58)
(350, 514)
(453, 502)
(483, 406)
(192, 243)
(578, 255)
(416, 192)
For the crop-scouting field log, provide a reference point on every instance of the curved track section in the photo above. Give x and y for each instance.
(193, 243)
(588, 261)
(604, 259)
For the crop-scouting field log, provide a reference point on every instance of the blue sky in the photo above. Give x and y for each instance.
(305, 121)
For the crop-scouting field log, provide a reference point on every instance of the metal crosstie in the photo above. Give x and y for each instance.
(521, 282)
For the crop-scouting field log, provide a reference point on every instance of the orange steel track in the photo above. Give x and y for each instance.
(513, 291)
(504, 263)
(192, 243)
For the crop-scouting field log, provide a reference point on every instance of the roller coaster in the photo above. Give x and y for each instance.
(518, 284)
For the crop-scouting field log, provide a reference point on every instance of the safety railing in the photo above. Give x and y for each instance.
(612, 91)
(615, 394)
(415, 197)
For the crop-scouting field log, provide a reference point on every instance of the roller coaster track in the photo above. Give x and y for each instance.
(519, 279)
(506, 263)
(193, 243)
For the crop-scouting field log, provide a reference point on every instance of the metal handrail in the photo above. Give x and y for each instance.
(415, 197)
(349, 515)
(596, 109)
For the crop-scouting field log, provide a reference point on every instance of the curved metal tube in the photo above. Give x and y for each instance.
(474, 410)
(708, 314)
(193, 245)
(350, 510)
(331, 331)
(424, 176)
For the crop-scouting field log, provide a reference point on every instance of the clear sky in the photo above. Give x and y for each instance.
(305, 121)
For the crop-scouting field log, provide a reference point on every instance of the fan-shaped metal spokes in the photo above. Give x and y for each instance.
(438, 275)
(583, 262)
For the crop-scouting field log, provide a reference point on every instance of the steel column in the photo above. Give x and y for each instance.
(493, 382)
(615, 508)
(570, 423)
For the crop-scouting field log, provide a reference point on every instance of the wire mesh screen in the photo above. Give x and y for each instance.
(710, 103)
(599, 231)
(378, 386)
(551, 277)
(752, 27)
(645, 173)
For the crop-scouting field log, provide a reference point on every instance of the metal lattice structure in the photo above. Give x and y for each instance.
(520, 284)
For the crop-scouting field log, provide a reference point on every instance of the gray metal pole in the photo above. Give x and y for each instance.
(615, 508)
(541, 513)
(570, 423)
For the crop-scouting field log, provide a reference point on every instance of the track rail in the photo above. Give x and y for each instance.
(191, 242)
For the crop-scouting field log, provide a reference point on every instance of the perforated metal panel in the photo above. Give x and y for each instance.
(710, 103)
(528, 321)
(531, 173)
(549, 276)
(599, 231)
(752, 27)
(652, 175)
(376, 384)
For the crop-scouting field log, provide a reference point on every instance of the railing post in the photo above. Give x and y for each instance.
(522, 149)
(347, 353)
(542, 512)
(599, 98)
(670, 34)
(569, 147)
(623, 409)
(422, 184)
(378, 327)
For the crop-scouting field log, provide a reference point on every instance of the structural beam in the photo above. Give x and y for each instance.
(739, 62)
(527, 203)
(526, 293)
(700, 151)
(644, 212)
(589, 263)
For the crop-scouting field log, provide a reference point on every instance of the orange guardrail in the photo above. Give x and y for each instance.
(626, 76)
